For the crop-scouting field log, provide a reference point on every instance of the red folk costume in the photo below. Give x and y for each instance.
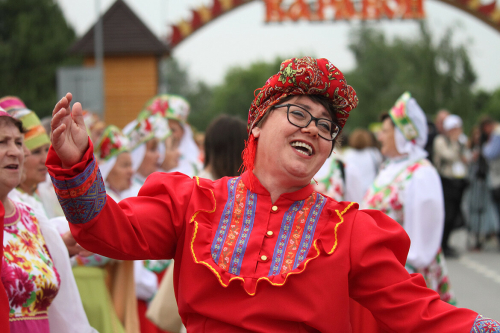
(246, 264)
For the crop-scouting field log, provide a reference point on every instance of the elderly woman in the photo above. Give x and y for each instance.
(263, 251)
(28, 273)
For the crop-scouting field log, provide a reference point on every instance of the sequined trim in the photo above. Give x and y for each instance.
(82, 197)
(296, 234)
(485, 325)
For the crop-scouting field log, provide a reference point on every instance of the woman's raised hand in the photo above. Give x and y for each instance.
(69, 134)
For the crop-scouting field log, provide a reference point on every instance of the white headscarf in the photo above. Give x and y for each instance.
(452, 121)
(415, 147)
(137, 153)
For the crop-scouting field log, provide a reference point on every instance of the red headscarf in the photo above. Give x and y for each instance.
(299, 76)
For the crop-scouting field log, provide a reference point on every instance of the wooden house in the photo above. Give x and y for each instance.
(131, 62)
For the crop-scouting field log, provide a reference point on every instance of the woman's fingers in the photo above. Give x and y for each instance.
(58, 136)
(57, 119)
(77, 115)
(63, 103)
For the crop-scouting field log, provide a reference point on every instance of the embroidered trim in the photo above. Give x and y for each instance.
(78, 185)
(485, 325)
(218, 275)
(312, 221)
(29, 318)
(222, 229)
(284, 236)
(83, 197)
(237, 259)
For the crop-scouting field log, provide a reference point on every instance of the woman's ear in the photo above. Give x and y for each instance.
(256, 132)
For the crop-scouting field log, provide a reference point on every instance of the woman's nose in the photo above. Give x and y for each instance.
(312, 129)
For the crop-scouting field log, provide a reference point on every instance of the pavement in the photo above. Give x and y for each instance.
(475, 275)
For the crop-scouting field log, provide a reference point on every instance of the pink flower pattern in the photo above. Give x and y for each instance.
(28, 273)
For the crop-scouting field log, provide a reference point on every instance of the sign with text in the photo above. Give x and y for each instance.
(323, 10)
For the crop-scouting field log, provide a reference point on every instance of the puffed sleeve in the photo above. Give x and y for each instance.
(424, 216)
(400, 302)
(143, 227)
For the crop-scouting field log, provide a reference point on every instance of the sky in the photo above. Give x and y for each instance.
(242, 37)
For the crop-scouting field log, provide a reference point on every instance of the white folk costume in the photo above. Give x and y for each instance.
(177, 108)
(408, 189)
(339, 181)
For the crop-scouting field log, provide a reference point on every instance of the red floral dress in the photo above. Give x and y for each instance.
(28, 273)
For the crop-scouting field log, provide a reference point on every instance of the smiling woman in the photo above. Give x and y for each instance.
(262, 252)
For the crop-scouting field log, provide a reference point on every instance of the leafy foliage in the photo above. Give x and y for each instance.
(438, 74)
(34, 40)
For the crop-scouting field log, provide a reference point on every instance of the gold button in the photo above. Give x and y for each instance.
(263, 258)
(274, 208)
(270, 233)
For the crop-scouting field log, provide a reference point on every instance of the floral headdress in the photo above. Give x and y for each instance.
(112, 143)
(169, 106)
(399, 116)
(300, 76)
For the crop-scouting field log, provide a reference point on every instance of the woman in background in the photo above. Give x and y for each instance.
(176, 109)
(224, 142)
(408, 190)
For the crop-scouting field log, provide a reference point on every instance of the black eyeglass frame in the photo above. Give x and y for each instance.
(334, 134)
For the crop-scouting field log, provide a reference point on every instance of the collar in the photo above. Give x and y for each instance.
(258, 188)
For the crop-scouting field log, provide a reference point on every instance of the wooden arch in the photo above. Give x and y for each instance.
(316, 10)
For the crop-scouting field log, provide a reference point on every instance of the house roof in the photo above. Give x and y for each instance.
(123, 33)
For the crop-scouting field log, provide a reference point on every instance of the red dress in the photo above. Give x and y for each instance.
(245, 264)
(4, 300)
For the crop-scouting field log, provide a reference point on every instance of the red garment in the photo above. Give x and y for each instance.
(4, 300)
(350, 253)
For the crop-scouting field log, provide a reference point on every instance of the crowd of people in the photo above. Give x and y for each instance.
(310, 236)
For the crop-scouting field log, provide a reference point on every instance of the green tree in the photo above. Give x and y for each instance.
(34, 39)
(438, 74)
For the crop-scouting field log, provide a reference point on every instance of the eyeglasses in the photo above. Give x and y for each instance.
(300, 117)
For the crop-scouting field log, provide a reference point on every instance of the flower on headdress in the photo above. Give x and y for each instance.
(159, 106)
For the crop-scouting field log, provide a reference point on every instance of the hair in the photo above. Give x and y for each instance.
(361, 139)
(224, 143)
(13, 121)
(384, 116)
(485, 120)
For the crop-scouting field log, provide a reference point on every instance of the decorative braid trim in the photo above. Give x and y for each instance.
(83, 196)
(485, 325)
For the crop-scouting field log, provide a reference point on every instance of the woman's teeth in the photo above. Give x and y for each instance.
(302, 147)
